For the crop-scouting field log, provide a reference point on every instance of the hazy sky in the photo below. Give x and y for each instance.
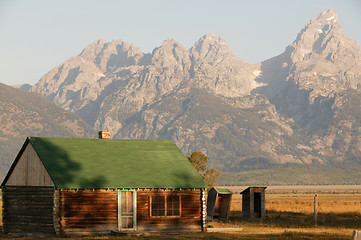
(37, 35)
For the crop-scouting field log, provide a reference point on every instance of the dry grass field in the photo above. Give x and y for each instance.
(289, 213)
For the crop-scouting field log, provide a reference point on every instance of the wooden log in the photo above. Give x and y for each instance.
(86, 213)
(68, 193)
(22, 198)
(27, 222)
(27, 230)
(23, 205)
(170, 222)
(89, 230)
(30, 227)
(94, 201)
(90, 222)
(100, 228)
(105, 207)
(81, 191)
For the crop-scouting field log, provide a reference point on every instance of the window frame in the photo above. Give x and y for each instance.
(165, 205)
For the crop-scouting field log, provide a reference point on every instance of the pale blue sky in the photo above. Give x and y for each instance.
(37, 35)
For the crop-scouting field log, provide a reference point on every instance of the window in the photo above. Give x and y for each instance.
(165, 206)
(158, 206)
(172, 205)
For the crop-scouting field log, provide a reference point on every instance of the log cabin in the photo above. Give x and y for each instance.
(67, 186)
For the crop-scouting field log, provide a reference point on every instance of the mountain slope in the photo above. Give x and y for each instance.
(25, 114)
(300, 107)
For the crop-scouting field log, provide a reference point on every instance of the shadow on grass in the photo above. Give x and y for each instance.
(296, 220)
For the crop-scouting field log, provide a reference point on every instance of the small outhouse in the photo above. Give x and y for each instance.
(254, 203)
(218, 203)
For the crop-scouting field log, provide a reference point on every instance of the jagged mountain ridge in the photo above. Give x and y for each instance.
(26, 114)
(316, 83)
(321, 62)
(114, 86)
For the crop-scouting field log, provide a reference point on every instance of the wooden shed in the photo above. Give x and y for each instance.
(69, 186)
(254, 203)
(218, 204)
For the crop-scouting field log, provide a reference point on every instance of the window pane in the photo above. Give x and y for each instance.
(130, 201)
(155, 212)
(173, 205)
(176, 212)
(158, 206)
(124, 202)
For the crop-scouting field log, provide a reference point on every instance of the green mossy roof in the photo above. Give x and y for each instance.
(223, 190)
(105, 163)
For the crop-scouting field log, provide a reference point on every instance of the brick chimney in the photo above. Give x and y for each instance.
(104, 135)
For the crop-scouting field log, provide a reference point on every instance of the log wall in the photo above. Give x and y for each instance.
(86, 211)
(190, 211)
(28, 210)
(42, 210)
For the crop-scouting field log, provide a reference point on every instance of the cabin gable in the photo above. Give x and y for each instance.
(29, 171)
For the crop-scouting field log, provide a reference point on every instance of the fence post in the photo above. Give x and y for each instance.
(356, 235)
(315, 210)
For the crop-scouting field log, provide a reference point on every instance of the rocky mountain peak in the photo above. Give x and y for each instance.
(108, 56)
(320, 36)
(93, 49)
(321, 62)
(170, 53)
(211, 48)
(325, 59)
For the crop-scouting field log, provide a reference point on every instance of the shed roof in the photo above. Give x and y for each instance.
(105, 163)
(223, 190)
(248, 189)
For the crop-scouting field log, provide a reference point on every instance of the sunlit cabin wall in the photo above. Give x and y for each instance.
(189, 219)
(86, 211)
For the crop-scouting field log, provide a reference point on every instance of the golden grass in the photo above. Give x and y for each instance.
(304, 203)
(290, 216)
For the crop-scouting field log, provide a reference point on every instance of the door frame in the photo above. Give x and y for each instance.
(120, 208)
(257, 204)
